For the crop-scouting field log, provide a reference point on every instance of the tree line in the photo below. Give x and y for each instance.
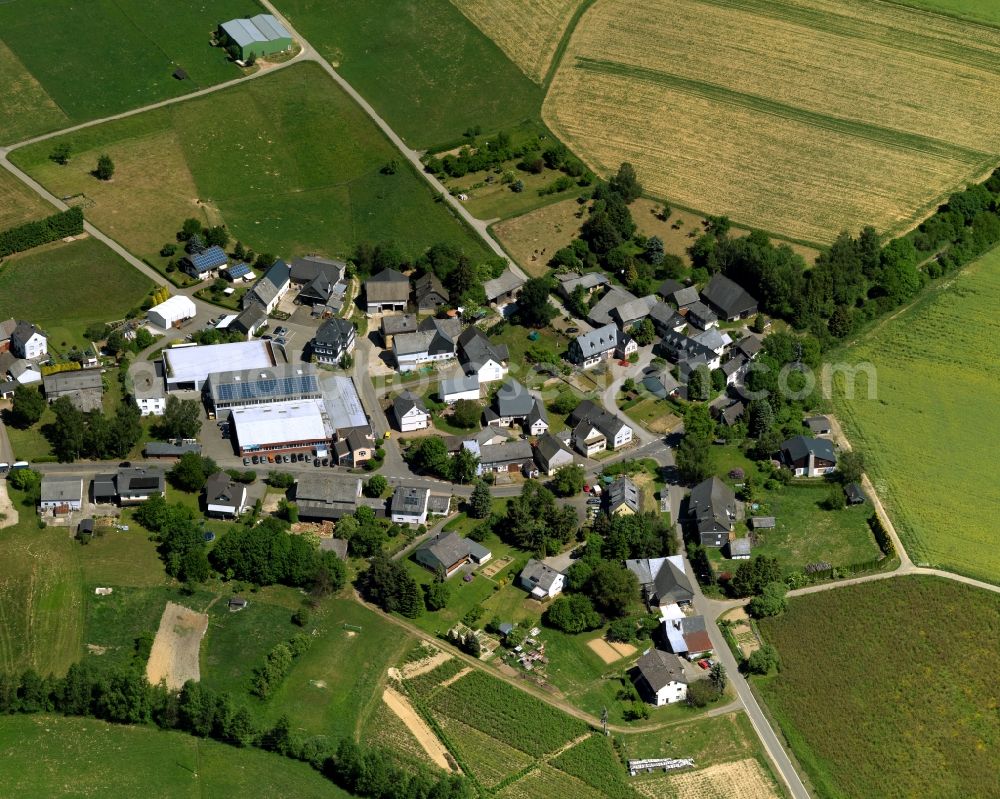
(123, 696)
(41, 231)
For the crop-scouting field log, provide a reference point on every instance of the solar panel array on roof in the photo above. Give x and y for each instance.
(238, 270)
(296, 385)
(211, 258)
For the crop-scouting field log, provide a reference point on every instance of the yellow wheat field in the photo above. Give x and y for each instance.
(773, 173)
(742, 779)
(803, 117)
(528, 31)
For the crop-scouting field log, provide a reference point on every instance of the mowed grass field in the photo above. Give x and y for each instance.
(889, 689)
(63, 287)
(50, 756)
(288, 162)
(985, 11)
(528, 31)
(428, 71)
(18, 203)
(715, 105)
(63, 62)
(928, 432)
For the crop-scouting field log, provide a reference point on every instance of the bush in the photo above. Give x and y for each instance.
(701, 693)
(376, 486)
(573, 614)
(300, 617)
(622, 630)
(280, 480)
(770, 602)
(763, 660)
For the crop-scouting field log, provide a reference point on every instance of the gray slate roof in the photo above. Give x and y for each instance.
(800, 446)
(712, 505)
(659, 669)
(394, 324)
(307, 269)
(623, 492)
(406, 402)
(728, 297)
(506, 283)
(599, 340)
(387, 286)
(539, 574)
(513, 399)
(475, 349)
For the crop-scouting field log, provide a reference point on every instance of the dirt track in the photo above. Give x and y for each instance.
(401, 706)
(174, 657)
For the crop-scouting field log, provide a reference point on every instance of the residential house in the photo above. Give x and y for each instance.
(809, 457)
(389, 290)
(503, 290)
(666, 320)
(662, 384)
(394, 324)
(354, 446)
(735, 369)
(623, 496)
(409, 505)
(28, 342)
(701, 316)
(615, 296)
(749, 346)
(511, 455)
(687, 636)
(304, 271)
(223, 497)
(684, 297)
(84, 388)
(327, 497)
(728, 299)
(595, 430)
(429, 293)
(334, 339)
(321, 293)
(818, 425)
(447, 553)
(541, 580)
(457, 387)
(628, 314)
(204, 264)
(410, 412)
(268, 291)
(600, 344)
(714, 339)
(250, 321)
(514, 404)
(479, 356)
(731, 414)
(589, 282)
(712, 510)
(60, 495)
(434, 342)
(660, 678)
(668, 288)
(135, 485)
(677, 347)
(664, 581)
(551, 455)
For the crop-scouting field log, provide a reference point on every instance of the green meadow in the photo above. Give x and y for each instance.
(428, 71)
(288, 162)
(930, 429)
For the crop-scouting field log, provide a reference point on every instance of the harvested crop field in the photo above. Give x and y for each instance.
(717, 108)
(924, 447)
(610, 652)
(174, 657)
(742, 779)
(533, 238)
(401, 706)
(528, 31)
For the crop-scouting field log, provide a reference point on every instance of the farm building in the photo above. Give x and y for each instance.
(327, 497)
(541, 580)
(630, 313)
(409, 505)
(258, 36)
(187, 368)
(343, 404)
(434, 341)
(510, 455)
(84, 388)
(389, 290)
(410, 412)
(818, 425)
(167, 450)
(447, 553)
(282, 383)
(457, 387)
(809, 457)
(660, 678)
(395, 324)
(269, 290)
(206, 263)
(429, 293)
(281, 427)
(503, 290)
(589, 282)
(61, 494)
(171, 311)
(728, 299)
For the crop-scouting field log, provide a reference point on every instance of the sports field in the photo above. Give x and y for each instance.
(62, 288)
(528, 31)
(889, 689)
(715, 105)
(288, 162)
(428, 71)
(50, 756)
(928, 433)
(63, 62)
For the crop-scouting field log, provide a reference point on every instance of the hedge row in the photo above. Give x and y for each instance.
(881, 536)
(34, 234)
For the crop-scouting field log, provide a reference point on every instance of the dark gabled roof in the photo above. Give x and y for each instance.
(446, 548)
(750, 345)
(475, 349)
(672, 584)
(664, 317)
(817, 424)
(733, 365)
(539, 574)
(387, 286)
(515, 451)
(304, 270)
(389, 276)
(799, 447)
(394, 324)
(597, 341)
(548, 446)
(513, 400)
(320, 288)
(733, 413)
(855, 493)
(218, 489)
(700, 311)
(600, 314)
(406, 402)
(428, 287)
(159, 449)
(685, 296)
(712, 505)
(338, 546)
(132, 481)
(250, 319)
(505, 284)
(623, 492)
(659, 669)
(681, 347)
(592, 414)
(661, 384)
(728, 297)
(334, 333)
(668, 287)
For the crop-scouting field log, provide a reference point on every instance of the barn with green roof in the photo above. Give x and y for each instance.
(255, 37)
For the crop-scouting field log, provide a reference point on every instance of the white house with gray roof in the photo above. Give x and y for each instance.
(61, 494)
(589, 349)
(479, 356)
(551, 455)
(448, 553)
(410, 412)
(268, 291)
(409, 505)
(458, 386)
(660, 678)
(541, 580)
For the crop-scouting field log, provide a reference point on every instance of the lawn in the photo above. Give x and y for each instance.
(496, 200)
(50, 81)
(925, 432)
(288, 162)
(879, 677)
(47, 756)
(428, 71)
(63, 288)
(18, 203)
(857, 115)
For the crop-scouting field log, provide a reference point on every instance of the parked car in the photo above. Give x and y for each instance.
(246, 461)
(572, 330)
(705, 664)
(253, 460)
(326, 461)
(586, 488)
(316, 462)
(125, 464)
(302, 457)
(593, 501)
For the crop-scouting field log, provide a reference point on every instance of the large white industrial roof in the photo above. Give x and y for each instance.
(343, 405)
(195, 364)
(176, 306)
(280, 422)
